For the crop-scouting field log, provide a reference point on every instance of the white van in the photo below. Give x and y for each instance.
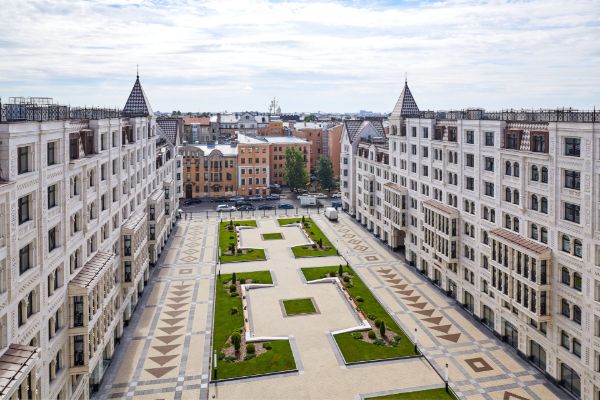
(331, 214)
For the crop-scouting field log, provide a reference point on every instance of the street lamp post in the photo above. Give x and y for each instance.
(446, 377)
(415, 341)
(215, 364)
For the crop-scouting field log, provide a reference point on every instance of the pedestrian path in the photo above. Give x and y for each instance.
(480, 366)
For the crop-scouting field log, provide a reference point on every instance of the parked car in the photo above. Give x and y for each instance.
(320, 195)
(225, 208)
(336, 195)
(239, 204)
(336, 203)
(237, 198)
(285, 206)
(273, 197)
(307, 200)
(246, 207)
(255, 198)
(266, 207)
(191, 202)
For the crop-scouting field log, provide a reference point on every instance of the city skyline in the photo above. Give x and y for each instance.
(313, 56)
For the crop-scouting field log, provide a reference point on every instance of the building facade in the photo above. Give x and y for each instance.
(209, 170)
(501, 212)
(87, 201)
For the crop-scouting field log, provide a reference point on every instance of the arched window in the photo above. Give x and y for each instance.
(577, 248)
(507, 168)
(516, 196)
(577, 314)
(516, 169)
(577, 281)
(534, 202)
(544, 235)
(534, 232)
(544, 205)
(565, 276)
(566, 244)
(507, 221)
(544, 175)
(485, 237)
(535, 173)
(565, 309)
(516, 224)
(507, 195)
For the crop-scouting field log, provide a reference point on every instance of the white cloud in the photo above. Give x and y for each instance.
(216, 54)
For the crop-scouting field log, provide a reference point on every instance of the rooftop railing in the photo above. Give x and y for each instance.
(557, 115)
(31, 109)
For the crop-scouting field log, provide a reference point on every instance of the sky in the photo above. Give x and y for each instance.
(329, 56)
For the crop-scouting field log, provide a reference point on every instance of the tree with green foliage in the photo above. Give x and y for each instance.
(236, 340)
(382, 329)
(310, 118)
(233, 278)
(325, 173)
(340, 271)
(295, 174)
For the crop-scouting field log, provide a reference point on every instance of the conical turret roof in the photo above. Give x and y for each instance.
(406, 106)
(137, 104)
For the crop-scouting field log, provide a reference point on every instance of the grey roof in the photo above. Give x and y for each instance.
(355, 126)
(406, 106)
(169, 128)
(137, 104)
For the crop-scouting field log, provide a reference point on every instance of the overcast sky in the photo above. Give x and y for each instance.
(326, 55)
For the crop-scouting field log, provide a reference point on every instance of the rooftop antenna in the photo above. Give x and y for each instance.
(137, 71)
(405, 78)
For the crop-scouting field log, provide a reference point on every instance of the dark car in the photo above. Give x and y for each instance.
(255, 198)
(242, 203)
(273, 197)
(285, 206)
(266, 207)
(336, 203)
(191, 202)
(246, 207)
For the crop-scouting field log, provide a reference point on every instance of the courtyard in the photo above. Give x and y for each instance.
(304, 323)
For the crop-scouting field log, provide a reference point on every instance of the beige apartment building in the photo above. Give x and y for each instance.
(87, 201)
(500, 210)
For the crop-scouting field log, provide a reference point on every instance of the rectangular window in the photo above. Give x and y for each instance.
(425, 133)
(489, 138)
(52, 239)
(470, 137)
(470, 160)
(23, 159)
(572, 212)
(24, 209)
(470, 183)
(52, 153)
(51, 196)
(78, 353)
(572, 179)
(489, 164)
(489, 189)
(25, 259)
(572, 147)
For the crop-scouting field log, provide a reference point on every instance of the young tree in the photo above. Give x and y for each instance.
(236, 339)
(295, 169)
(325, 173)
(382, 329)
(340, 271)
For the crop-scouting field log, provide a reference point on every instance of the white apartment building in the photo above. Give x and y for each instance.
(501, 210)
(88, 198)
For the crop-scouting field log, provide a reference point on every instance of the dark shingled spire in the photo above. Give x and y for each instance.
(406, 106)
(137, 104)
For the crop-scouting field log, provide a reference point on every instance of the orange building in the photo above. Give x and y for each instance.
(316, 135)
(279, 145)
(209, 170)
(253, 166)
(334, 147)
(271, 128)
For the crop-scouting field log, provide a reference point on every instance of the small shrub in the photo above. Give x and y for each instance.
(332, 274)
(251, 349)
(314, 246)
(250, 250)
(397, 338)
(229, 359)
(379, 342)
(359, 299)
(236, 339)
(239, 251)
(346, 279)
(234, 294)
(234, 311)
(231, 237)
(227, 345)
(357, 335)
(249, 357)
(349, 286)
(372, 334)
(232, 288)
(311, 233)
(378, 323)
(372, 317)
(220, 355)
(267, 346)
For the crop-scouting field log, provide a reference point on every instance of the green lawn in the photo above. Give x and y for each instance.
(315, 234)
(299, 306)
(431, 394)
(272, 236)
(279, 358)
(356, 349)
(227, 238)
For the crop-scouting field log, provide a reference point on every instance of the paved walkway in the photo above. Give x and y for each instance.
(481, 366)
(164, 353)
(322, 373)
